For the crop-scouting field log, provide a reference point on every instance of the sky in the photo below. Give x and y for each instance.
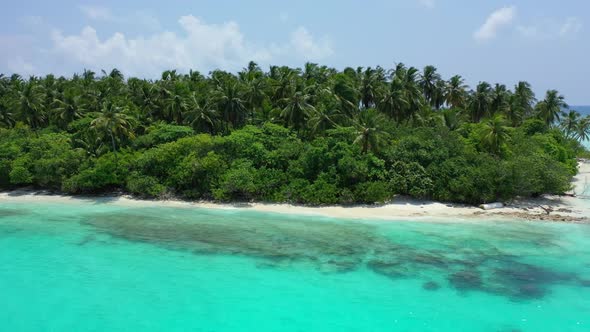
(544, 42)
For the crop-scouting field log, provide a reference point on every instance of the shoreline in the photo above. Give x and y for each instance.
(561, 208)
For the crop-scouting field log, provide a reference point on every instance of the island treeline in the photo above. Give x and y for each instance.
(314, 135)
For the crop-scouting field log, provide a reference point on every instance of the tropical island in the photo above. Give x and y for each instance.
(313, 136)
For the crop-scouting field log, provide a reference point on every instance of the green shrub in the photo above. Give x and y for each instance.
(236, 183)
(105, 173)
(161, 133)
(373, 192)
(20, 175)
(144, 185)
(410, 179)
(194, 176)
(321, 192)
(294, 191)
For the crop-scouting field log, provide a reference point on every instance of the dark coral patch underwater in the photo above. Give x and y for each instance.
(467, 264)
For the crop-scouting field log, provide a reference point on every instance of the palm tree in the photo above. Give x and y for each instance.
(201, 118)
(29, 103)
(425, 117)
(147, 97)
(370, 132)
(494, 134)
(283, 81)
(93, 98)
(370, 83)
(399, 70)
(297, 110)
(254, 94)
(455, 95)
(52, 90)
(88, 77)
(522, 102)
(451, 118)
(429, 84)
(325, 118)
(313, 74)
(514, 114)
(16, 80)
(117, 75)
(438, 100)
(170, 75)
(68, 109)
(310, 71)
(230, 103)
(175, 104)
(6, 117)
(113, 123)
(393, 102)
(346, 94)
(4, 84)
(551, 108)
(194, 77)
(569, 123)
(412, 92)
(251, 72)
(480, 102)
(500, 99)
(583, 129)
(112, 83)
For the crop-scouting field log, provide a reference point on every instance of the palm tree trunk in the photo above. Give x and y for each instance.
(114, 147)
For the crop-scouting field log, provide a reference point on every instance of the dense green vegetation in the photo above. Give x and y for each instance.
(313, 135)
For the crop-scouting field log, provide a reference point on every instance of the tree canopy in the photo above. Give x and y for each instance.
(314, 135)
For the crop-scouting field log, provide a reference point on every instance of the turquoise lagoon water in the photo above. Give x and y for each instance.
(94, 266)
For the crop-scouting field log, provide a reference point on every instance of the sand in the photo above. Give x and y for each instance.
(548, 208)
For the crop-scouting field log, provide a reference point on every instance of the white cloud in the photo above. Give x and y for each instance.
(143, 19)
(551, 29)
(199, 46)
(97, 13)
(307, 47)
(16, 54)
(497, 20)
(202, 46)
(430, 4)
(571, 26)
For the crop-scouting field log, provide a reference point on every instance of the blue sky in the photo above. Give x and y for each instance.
(544, 42)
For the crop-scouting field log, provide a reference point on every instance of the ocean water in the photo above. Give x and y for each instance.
(584, 110)
(95, 266)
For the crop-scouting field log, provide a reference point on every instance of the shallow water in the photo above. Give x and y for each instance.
(85, 266)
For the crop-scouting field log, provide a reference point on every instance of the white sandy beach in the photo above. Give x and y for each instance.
(563, 208)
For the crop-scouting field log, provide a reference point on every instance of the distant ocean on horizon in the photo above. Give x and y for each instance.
(584, 110)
